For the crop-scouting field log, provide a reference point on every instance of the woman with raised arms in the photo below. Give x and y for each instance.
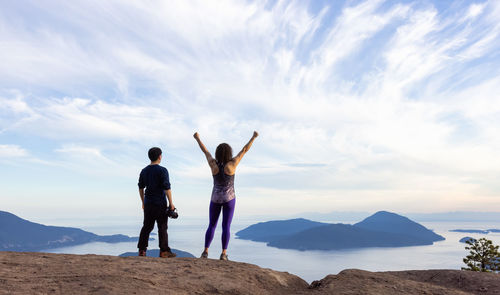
(223, 198)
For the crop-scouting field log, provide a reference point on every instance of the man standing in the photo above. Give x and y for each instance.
(155, 179)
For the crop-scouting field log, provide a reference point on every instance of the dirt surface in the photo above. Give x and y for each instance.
(42, 273)
(29, 273)
(355, 281)
(468, 281)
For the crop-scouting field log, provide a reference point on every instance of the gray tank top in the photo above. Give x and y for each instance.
(223, 190)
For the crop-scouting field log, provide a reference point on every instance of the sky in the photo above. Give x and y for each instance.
(360, 105)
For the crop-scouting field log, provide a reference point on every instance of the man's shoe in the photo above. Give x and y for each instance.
(167, 254)
(142, 252)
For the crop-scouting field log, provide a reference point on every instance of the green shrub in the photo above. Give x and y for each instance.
(484, 256)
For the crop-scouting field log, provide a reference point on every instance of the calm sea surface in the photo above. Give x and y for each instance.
(187, 234)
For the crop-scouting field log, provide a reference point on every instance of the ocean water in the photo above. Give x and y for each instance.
(187, 234)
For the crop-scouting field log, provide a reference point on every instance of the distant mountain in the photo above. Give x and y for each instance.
(334, 216)
(343, 216)
(476, 231)
(393, 223)
(156, 253)
(383, 229)
(455, 216)
(272, 230)
(344, 236)
(17, 234)
(465, 239)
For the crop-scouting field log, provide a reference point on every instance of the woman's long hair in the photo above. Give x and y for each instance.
(223, 153)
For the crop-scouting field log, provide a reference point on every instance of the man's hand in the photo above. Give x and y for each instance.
(172, 207)
(196, 135)
(141, 194)
(255, 134)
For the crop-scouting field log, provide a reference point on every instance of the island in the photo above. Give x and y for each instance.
(18, 234)
(476, 231)
(382, 229)
(470, 231)
(465, 239)
(271, 230)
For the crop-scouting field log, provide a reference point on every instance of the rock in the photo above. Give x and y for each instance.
(467, 281)
(84, 274)
(41, 273)
(354, 281)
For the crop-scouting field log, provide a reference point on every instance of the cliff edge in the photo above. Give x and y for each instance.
(41, 273)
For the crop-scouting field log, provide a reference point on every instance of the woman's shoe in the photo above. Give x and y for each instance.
(142, 252)
(204, 255)
(223, 257)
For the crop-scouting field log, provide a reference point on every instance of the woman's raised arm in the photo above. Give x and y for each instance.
(210, 159)
(236, 160)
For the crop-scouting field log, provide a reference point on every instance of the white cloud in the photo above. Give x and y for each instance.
(12, 151)
(474, 10)
(81, 151)
(364, 91)
(78, 118)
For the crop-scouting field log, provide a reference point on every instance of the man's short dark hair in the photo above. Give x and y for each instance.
(154, 153)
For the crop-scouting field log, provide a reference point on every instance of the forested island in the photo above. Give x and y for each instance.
(382, 229)
(17, 234)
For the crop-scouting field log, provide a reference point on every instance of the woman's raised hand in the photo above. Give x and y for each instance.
(196, 135)
(255, 134)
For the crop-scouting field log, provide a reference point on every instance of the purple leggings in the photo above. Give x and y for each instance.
(227, 217)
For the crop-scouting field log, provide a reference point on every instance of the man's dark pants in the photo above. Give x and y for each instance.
(154, 213)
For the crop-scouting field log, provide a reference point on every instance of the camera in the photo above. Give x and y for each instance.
(172, 213)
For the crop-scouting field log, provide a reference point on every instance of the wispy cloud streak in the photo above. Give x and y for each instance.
(368, 95)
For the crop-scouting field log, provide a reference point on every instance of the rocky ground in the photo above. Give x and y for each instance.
(452, 282)
(42, 273)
